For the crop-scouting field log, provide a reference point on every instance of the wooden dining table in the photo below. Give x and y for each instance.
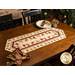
(42, 54)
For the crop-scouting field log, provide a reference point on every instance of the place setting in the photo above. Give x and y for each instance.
(43, 24)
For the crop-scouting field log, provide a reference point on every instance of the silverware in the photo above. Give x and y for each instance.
(42, 24)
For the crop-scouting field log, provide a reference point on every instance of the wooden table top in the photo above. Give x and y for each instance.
(40, 54)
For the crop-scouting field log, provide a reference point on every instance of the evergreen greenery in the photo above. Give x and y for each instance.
(67, 16)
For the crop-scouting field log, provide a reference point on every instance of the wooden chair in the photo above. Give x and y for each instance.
(32, 15)
(56, 61)
(6, 22)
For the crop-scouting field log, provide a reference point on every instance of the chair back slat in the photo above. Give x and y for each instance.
(24, 20)
(33, 14)
(71, 50)
(36, 17)
(28, 20)
(32, 19)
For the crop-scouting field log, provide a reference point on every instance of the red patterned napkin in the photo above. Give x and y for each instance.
(17, 56)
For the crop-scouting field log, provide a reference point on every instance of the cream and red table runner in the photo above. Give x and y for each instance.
(34, 40)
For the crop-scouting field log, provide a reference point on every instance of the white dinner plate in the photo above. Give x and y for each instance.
(46, 25)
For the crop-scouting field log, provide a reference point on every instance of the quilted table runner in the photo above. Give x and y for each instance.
(34, 40)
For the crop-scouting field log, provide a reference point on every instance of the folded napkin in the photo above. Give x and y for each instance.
(43, 22)
(17, 56)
